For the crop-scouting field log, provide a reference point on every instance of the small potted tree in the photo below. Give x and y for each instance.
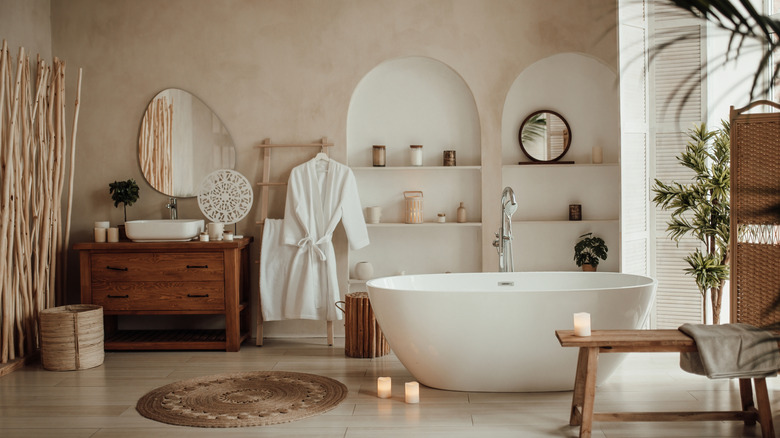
(126, 193)
(588, 250)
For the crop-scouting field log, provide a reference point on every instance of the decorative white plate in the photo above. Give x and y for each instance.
(225, 196)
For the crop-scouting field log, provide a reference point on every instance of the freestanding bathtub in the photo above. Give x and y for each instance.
(495, 332)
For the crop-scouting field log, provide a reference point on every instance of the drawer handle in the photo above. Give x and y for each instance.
(197, 266)
(119, 296)
(198, 295)
(116, 269)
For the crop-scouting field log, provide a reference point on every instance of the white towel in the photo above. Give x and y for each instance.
(275, 258)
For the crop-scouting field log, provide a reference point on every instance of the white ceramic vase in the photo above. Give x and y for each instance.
(364, 271)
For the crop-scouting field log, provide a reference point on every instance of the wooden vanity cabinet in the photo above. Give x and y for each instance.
(169, 278)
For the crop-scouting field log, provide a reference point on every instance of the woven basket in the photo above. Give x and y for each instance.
(72, 337)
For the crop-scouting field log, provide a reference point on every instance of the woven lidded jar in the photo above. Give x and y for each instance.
(414, 207)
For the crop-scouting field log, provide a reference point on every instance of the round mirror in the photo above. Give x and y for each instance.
(545, 136)
(181, 141)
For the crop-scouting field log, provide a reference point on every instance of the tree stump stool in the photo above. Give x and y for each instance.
(363, 337)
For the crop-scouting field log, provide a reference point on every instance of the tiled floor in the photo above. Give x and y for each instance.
(101, 402)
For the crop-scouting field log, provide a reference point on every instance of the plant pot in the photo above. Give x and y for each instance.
(588, 267)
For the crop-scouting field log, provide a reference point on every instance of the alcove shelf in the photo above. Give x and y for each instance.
(424, 224)
(544, 237)
(415, 168)
(511, 167)
(566, 221)
(417, 101)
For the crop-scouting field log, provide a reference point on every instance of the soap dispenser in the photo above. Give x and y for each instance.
(461, 217)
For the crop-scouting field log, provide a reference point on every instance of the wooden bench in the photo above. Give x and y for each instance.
(650, 341)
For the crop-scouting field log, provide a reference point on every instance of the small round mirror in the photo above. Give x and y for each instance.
(181, 141)
(545, 136)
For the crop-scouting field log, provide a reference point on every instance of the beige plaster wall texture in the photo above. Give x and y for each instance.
(27, 23)
(286, 69)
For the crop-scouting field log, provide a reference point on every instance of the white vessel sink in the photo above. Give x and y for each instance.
(164, 230)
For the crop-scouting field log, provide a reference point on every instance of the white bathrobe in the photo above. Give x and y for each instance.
(320, 193)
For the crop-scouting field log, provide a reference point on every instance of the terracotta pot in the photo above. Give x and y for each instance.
(588, 267)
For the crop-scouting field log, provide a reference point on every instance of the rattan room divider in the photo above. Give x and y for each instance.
(755, 215)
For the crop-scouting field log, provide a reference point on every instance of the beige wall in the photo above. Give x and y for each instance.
(286, 69)
(26, 23)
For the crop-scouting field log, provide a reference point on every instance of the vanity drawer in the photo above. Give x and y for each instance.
(158, 295)
(157, 266)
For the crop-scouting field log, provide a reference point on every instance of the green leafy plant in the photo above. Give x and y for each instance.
(534, 128)
(125, 192)
(749, 30)
(701, 209)
(589, 249)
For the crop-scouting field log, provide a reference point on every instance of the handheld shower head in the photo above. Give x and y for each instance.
(508, 202)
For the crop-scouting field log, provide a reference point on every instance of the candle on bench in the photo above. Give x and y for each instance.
(582, 324)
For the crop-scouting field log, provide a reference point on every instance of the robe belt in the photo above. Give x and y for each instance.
(315, 246)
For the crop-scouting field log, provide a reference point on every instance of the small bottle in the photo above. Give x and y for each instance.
(204, 237)
(415, 154)
(442, 218)
(379, 156)
(461, 214)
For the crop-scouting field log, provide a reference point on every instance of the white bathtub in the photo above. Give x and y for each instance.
(495, 332)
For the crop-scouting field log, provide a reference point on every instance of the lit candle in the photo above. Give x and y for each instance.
(384, 387)
(582, 324)
(597, 155)
(412, 392)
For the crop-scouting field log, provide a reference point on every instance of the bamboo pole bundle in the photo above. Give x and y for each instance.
(8, 210)
(33, 153)
(70, 185)
(5, 317)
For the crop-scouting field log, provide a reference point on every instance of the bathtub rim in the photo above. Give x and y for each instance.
(382, 282)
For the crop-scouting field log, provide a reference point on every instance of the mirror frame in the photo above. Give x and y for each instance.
(520, 137)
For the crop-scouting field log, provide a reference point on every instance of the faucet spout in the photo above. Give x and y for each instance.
(171, 205)
(503, 242)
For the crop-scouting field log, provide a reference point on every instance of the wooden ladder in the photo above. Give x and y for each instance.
(266, 184)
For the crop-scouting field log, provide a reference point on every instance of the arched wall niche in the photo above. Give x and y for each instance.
(413, 100)
(580, 88)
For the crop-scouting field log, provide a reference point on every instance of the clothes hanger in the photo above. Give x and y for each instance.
(322, 156)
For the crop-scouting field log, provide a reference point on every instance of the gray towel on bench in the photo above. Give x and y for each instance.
(731, 351)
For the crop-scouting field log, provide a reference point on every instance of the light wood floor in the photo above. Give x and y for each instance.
(101, 402)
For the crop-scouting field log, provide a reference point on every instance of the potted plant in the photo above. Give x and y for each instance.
(588, 250)
(125, 192)
(700, 209)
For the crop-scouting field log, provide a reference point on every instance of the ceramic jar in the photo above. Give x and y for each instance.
(364, 271)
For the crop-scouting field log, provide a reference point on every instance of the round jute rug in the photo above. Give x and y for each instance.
(256, 398)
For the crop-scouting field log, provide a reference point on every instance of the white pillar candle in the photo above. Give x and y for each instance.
(384, 387)
(112, 234)
(582, 324)
(412, 392)
(100, 235)
(102, 224)
(597, 155)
